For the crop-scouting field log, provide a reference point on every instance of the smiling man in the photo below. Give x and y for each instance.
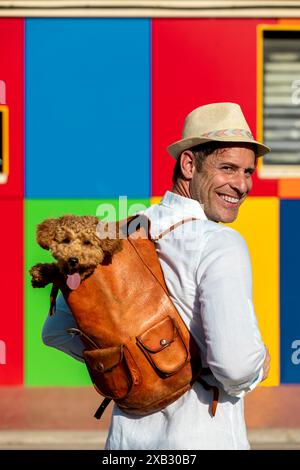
(207, 270)
(208, 273)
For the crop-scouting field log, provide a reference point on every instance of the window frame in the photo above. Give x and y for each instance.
(281, 171)
(5, 141)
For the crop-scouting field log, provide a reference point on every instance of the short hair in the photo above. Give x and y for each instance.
(200, 151)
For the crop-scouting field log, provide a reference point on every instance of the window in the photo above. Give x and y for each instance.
(280, 100)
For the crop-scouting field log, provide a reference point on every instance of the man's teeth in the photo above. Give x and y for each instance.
(229, 198)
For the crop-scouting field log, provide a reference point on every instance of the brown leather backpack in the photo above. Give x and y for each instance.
(139, 352)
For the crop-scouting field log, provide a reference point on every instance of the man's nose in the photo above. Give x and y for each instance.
(73, 262)
(241, 183)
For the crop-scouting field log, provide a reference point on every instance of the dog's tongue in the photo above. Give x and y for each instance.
(73, 281)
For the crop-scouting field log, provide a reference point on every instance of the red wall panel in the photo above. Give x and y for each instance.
(195, 62)
(12, 73)
(11, 292)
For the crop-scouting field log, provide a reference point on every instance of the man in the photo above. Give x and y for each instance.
(208, 273)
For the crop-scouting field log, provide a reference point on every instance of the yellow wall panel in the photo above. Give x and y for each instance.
(155, 200)
(258, 223)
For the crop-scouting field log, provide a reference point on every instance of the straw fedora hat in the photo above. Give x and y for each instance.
(216, 122)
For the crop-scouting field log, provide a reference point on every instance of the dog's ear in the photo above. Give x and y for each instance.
(45, 233)
(110, 246)
(107, 235)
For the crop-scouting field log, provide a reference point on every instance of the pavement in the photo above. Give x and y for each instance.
(72, 408)
(260, 439)
(62, 418)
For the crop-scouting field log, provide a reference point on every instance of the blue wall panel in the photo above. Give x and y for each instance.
(87, 108)
(290, 290)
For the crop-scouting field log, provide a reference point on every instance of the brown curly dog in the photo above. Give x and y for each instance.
(74, 243)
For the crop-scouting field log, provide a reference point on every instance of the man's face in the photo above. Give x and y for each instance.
(224, 182)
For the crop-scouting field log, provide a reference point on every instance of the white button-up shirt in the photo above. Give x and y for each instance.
(208, 273)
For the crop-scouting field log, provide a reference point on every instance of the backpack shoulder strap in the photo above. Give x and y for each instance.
(170, 229)
(141, 223)
(138, 233)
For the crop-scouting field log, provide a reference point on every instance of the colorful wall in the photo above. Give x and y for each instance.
(93, 104)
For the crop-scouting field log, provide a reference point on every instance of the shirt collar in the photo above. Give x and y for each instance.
(185, 206)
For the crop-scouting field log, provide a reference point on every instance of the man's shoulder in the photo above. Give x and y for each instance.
(219, 229)
(221, 237)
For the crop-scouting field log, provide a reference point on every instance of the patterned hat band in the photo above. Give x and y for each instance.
(229, 133)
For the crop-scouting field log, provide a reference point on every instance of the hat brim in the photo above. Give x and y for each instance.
(181, 145)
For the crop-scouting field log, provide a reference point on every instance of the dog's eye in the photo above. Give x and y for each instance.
(87, 242)
(66, 240)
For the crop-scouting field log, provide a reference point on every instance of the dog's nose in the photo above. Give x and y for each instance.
(73, 262)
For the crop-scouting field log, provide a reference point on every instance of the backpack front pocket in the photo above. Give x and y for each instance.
(164, 347)
(109, 371)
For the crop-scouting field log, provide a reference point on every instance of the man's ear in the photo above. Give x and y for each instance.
(45, 233)
(187, 164)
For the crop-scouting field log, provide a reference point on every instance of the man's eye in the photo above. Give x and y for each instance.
(87, 242)
(227, 168)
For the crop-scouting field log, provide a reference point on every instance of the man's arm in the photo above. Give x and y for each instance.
(55, 331)
(235, 351)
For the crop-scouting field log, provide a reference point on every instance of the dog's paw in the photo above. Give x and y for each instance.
(42, 274)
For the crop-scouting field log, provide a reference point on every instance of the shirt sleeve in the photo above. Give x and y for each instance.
(235, 351)
(55, 333)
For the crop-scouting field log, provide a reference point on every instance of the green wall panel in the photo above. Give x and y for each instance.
(45, 365)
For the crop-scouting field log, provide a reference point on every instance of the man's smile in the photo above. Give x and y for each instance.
(230, 201)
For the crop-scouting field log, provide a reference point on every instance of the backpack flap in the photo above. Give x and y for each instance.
(104, 360)
(164, 347)
(109, 371)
